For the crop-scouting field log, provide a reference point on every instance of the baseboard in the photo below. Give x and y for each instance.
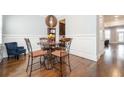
(84, 55)
(117, 43)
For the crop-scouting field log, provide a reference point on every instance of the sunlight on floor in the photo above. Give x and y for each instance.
(116, 72)
(108, 52)
(120, 51)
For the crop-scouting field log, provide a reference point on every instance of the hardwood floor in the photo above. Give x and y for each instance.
(110, 64)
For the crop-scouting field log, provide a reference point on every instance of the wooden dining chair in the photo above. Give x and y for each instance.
(62, 53)
(32, 55)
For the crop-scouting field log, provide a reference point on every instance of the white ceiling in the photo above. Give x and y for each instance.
(111, 18)
(114, 20)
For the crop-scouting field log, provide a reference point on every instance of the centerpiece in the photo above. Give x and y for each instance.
(51, 37)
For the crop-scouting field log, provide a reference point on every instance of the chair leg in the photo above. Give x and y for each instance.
(44, 62)
(17, 57)
(28, 63)
(69, 63)
(52, 61)
(8, 57)
(25, 54)
(40, 62)
(56, 60)
(31, 67)
(61, 69)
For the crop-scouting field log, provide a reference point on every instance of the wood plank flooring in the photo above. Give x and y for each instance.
(110, 64)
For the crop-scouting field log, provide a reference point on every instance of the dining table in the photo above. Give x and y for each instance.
(50, 47)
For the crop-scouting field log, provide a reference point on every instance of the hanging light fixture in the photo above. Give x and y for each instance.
(51, 21)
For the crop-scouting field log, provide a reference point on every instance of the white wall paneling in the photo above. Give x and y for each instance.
(84, 46)
(17, 27)
(82, 28)
(0, 29)
(20, 40)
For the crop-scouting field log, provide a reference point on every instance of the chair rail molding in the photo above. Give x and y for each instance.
(82, 35)
(21, 36)
(20, 40)
(84, 45)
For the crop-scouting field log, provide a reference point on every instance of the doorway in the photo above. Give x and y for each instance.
(62, 28)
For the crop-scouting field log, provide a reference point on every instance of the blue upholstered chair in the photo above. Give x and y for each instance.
(13, 50)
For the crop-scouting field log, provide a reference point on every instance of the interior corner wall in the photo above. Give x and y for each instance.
(82, 28)
(100, 37)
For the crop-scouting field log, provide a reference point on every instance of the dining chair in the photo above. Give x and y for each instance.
(46, 45)
(43, 43)
(62, 53)
(32, 55)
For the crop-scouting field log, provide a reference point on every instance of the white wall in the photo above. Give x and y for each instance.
(23, 25)
(17, 27)
(1, 38)
(82, 28)
(0, 29)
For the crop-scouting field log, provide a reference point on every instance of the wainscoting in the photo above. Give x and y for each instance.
(20, 39)
(82, 45)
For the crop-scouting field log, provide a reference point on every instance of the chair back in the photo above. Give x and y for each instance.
(11, 46)
(43, 42)
(29, 47)
(68, 44)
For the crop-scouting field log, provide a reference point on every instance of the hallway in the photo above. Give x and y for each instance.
(112, 63)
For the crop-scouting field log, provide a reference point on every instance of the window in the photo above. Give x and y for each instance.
(120, 34)
(107, 34)
(120, 30)
(121, 37)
